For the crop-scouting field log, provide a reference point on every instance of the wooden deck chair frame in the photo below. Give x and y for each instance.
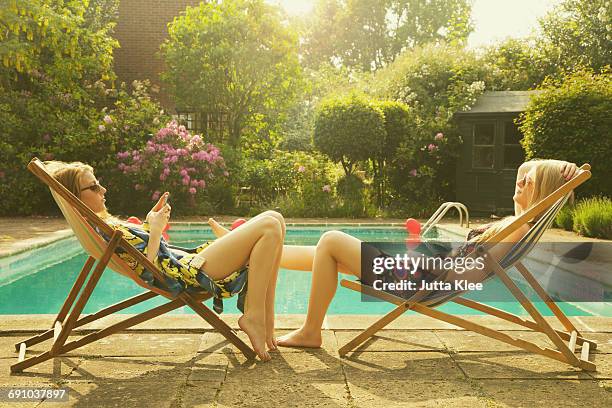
(565, 341)
(69, 316)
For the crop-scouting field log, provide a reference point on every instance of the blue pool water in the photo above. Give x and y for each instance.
(39, 281)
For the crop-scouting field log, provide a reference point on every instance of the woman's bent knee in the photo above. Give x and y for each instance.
(276, 215)
(330, 239)
(271, 226)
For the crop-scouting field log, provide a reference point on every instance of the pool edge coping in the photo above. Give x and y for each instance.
(54, 236)
(26, 323)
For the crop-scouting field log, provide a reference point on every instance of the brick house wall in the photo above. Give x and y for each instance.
(141, 29)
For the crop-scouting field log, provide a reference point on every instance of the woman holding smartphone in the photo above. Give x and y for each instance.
(244, 261)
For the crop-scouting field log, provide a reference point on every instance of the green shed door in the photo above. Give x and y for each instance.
(488, 165)
(512, 156)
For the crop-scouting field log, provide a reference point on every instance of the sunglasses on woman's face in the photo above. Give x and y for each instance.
(96, 188)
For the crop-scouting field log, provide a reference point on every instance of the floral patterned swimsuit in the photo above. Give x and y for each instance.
(181, 271)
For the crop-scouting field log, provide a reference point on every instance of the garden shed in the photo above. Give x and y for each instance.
(491, 153)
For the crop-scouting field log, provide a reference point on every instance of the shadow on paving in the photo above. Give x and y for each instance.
(209, 372)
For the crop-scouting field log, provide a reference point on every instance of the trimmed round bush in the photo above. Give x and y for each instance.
(349, 130)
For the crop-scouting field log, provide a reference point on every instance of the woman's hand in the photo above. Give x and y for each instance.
(568, 170)
(158, 219)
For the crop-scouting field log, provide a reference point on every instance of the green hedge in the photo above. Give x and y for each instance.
(571, 121)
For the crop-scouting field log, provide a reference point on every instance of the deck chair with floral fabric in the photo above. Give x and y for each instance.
(103, 254)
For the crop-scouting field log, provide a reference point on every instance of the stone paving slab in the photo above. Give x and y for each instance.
(546, 393)
(603, 340)
(312, 365)
(363, 366)
(415, 392)
(122, 394)
(462, 341)
(264, 391)
(43, 374)
(604, 366)
(7, 346)
(214, 342)
(517, 365)
(142, 344)
(124, 369)
(395, 340)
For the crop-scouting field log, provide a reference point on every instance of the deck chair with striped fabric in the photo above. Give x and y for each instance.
(424, 301)
(83, 221)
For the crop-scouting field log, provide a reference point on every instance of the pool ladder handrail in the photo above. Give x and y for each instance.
(441, 212)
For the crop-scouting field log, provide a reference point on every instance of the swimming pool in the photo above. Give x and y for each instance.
(38, 281)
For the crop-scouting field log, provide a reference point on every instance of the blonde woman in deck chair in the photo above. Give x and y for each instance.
(340, 252)
(249, 256)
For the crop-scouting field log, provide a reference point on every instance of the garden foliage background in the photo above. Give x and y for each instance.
(343, 113)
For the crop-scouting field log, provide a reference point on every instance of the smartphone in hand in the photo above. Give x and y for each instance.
(162, 201)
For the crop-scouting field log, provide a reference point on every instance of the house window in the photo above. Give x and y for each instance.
(213, 125)
(483, 148)
(513, 152)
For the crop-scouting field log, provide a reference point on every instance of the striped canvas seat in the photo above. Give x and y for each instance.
(518, 251)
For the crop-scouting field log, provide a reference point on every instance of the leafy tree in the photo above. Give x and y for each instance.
(349, 130)
(369, 34)
(515, 64)
(577, 33)
(435, 81)
(570, 120)
(52, 73)
(233, 57)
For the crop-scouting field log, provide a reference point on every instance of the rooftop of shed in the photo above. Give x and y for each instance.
(501, 102)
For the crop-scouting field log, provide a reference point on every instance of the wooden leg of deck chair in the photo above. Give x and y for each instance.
(527, 305)
(486, 331)
(544, 296)
(89, 287)
(370, 331)
(402, 304)
(91, 317)
(78, 284)
(509, 317)
(90, 338)
(218, 324)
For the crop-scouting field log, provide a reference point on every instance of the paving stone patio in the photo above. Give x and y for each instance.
(176, 361)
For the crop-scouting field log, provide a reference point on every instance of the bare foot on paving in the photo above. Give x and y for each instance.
(270, 339)
(217, 228)
(257, 336)
(300, 338)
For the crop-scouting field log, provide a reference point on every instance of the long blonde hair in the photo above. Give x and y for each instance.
(548, 178)
(69, 175)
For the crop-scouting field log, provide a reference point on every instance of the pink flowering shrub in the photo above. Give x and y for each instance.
(421, 171)
(173, 160)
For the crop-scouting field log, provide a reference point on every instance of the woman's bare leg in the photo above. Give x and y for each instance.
(334, 248)
(221, 231)
(252, 243)
(271, 292)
